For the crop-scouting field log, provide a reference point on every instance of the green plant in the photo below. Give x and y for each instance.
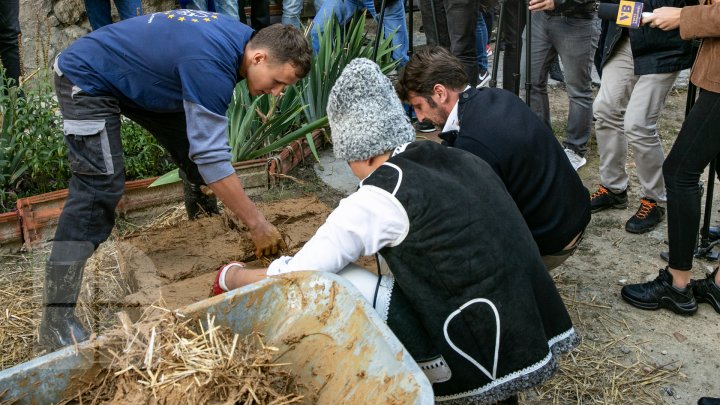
(33, 151)
(336, 48)
(33, 154)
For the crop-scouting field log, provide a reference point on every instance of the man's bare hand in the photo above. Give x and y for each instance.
(665, 18)
(267, 239)
(541, 5)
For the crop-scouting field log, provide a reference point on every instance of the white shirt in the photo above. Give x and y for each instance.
(361, 225)
(452, 123)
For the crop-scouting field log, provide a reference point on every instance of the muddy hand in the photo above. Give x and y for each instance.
(267, 239)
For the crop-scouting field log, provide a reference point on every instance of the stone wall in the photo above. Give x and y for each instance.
(48, 26)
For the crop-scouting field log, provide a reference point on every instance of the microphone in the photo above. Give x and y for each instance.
(627, 14)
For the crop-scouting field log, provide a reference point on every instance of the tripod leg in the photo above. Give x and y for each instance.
(518, 41)
(379, 32)
(528, 61)
(496, 53)
(410, 28)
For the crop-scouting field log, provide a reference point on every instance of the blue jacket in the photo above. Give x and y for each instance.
(173, 61)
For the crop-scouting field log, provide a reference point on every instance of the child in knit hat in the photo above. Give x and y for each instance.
(469, 296)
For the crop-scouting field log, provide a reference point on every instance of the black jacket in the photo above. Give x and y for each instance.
(654, 50)
(498, 127)
(574, 8)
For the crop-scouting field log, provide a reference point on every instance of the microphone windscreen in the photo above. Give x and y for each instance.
(608, 11)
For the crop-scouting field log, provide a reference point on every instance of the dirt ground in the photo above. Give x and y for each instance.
(627, 355)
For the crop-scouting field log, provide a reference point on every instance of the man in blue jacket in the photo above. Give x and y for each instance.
(173, 73)
(498, 127)
(639, 67)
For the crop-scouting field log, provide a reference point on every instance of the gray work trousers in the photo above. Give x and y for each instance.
(627, 108)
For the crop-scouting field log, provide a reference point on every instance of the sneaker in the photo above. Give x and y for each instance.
(219, 286)
(424, 126)
(603, 199)
(483, 79)
(488, 50)
(576, 160)
(707, 290)
(660, 293)
(647, 217)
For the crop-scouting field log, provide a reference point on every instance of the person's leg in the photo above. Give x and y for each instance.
(541, 55)
(481, 40)
(228, 7)
(432, 13)
(343, 10)
(394, 21)
(171, 132)
(696, 145)
(92, 134)
(462, 17)
(259, 14)
(291, 12)
(576, 40)
(128, 8)
(643, 110)
(98, 12)
(10, 39)
(512, 22)
(618, 80)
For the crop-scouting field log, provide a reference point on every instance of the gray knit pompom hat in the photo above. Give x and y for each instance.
(366, 116)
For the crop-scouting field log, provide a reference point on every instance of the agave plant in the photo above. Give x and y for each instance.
(260, 125)
(336, 48)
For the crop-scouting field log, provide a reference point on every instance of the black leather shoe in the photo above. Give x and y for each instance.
(660, 293)
(647, 217)
(603, 199)
(706, 290)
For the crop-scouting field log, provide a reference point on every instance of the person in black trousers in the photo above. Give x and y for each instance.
(259, 13)
(10, 39)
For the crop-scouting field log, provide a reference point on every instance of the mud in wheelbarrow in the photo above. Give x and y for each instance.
(338, 347)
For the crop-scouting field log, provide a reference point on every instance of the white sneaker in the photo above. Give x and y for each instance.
(483, 79)
(576, 160)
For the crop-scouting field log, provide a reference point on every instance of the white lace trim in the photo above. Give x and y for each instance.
(513, 375)
(382, 306)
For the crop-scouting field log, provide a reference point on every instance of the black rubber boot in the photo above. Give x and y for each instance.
(59, 326)
(196, 202)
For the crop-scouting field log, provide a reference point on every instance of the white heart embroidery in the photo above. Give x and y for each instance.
(497, 336)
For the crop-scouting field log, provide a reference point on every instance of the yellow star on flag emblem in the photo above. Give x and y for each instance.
(194, 20)
(171, 16)
(206, 19)
(181, 19)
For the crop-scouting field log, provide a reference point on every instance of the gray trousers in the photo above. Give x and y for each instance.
(575, 40)
(627, 108)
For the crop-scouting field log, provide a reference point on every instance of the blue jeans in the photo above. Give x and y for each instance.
(227, 7)
(98, 11)
(292, 9)
(344, 11)
(481, 40)
(575, 40)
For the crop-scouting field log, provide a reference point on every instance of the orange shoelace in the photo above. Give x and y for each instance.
(645, 207)
(601, 191)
